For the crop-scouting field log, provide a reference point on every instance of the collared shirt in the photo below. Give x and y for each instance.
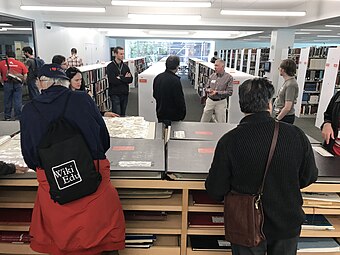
(222, 83)
(74, 60)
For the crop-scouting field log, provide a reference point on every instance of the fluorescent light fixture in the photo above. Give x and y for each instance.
(332, 25)
(164, 32)
(154, 17)
(167, 4)
(262, 13)
(251, 39)
(315, 30)
(19, 28)
(5, 25)
(3, 29)
(328, 36)
(302, 33)
(62, 8)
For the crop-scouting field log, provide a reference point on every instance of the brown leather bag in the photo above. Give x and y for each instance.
(243, 213)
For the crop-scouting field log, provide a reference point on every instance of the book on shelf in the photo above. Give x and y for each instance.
(317, 222)
(14, 237)
(139, 238)
(145, 215)
(206, 220)
(321, 196)
(318, 244)
(209, 243)
(144, 193)
(201, 198)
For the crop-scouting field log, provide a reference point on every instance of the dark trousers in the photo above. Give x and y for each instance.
(288, 119)
(119, 104)
(110, 253)
(12, 97)
(277, 247)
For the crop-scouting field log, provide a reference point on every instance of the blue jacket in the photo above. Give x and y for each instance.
(81, 112)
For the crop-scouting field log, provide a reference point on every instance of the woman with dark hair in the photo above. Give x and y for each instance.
(286, 98)
(76, 83)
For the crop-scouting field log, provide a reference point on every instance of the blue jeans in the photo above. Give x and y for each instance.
(32, 88)
(119, 104)
(12, 93)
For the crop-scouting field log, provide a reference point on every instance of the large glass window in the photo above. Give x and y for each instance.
(154, 50)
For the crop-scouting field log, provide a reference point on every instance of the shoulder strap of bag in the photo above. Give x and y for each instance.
(270, 156)
(7, 63)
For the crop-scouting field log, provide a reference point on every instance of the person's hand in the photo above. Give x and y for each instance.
(20, 169)
(327, 132)
(111, 114)
(213, 92)
(128, 74)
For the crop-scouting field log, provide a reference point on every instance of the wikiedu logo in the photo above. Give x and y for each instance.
(66, 174)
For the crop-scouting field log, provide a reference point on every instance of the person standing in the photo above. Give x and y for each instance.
(74, 60)
(239, 163)
(331, 125)
(12, 86)
(60, 60)
(218, 88)
(286, 98)
(168, 92)
(214, 58)
(119, 76)
(89, 225)
(32, 79)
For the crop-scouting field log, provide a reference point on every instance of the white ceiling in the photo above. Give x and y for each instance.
(319, 13)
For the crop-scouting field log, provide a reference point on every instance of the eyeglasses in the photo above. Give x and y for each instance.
(64, 64)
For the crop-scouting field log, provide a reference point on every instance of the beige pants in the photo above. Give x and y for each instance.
(217, 107)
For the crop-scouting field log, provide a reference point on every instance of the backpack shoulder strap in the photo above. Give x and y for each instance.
(7, 63)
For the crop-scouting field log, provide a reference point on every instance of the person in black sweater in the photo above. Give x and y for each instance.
(168, 92)
(239, 164)
(331, 126)
(119, 76)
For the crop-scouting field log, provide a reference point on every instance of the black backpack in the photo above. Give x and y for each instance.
(67, 161)
(38, 64)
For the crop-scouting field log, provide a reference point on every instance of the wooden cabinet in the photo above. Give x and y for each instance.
(172, 234)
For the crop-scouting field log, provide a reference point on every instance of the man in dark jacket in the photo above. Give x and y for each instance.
(120, 77)
(239, 163)
(331, 126)
(168, 92)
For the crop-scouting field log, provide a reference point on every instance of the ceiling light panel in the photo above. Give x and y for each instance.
(262, 13)
(160, 17)
(168, 4)
(62, 8)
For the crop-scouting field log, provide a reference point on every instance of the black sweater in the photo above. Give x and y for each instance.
(118, 86)
(6, 168)
(239, 164)
(168, 92)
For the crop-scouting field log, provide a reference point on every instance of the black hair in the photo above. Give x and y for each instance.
(255, 95)
(115, 50)
(10, 54)
(215, 53)
(58, 59)
(28, 49)
(74, 50)
(289, 66)
(72, 71)
(172, 62)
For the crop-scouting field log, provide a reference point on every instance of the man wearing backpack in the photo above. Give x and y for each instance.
(87, 225)
(33, 65)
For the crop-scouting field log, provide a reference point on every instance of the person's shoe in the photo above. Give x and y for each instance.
(7, 119)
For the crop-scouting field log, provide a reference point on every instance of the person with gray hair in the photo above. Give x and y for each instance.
(66, 229)
(168, 92)
(239, 165)
(217, 89)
